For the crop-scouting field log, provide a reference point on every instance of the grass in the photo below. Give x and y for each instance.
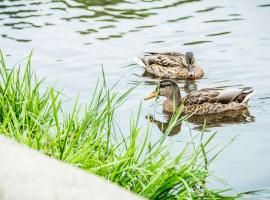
(89, 138)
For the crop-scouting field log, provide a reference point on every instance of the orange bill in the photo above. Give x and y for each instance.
(152, 95)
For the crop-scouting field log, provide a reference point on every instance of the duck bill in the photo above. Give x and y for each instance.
(152, 95)
(191, 72)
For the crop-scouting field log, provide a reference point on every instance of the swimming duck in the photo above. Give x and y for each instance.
(171, 65)
(205, 101)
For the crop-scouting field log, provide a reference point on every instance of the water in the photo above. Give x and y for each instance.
(230, 39)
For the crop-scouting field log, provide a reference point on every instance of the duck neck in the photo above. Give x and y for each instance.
(172, 102)
(175, 97)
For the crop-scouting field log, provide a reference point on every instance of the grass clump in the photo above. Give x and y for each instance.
(90, 139)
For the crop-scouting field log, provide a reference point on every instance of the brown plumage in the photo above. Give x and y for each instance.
(171, 65)
(206, 101)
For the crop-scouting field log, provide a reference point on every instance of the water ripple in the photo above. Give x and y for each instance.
(197, 42)
(209, 9)
(223, 20)
(180, 18)
(72, 38)
(16, 39)
(220, 33)
(264, 5)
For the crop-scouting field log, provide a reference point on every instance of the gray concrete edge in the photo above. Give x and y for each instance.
(28, 174)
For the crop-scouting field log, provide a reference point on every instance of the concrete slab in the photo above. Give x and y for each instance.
(28, 174)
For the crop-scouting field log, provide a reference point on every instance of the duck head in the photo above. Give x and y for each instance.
(167, 88)
(190, 61)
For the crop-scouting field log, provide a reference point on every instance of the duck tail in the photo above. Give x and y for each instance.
(139, 61)
(249, 93)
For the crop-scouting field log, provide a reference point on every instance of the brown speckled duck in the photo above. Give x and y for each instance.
(205, 101)
(171, 65)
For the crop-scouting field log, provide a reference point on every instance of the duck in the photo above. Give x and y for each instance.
(171, 65)
(201, 102)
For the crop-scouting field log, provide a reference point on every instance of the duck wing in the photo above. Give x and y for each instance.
(218, 96)
(163, 60)
(201, 96)
(168, 61)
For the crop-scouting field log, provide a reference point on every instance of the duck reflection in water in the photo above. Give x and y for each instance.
(190, 86)
(204, 122)
(221, 119)
(215, 107)
(163, 126)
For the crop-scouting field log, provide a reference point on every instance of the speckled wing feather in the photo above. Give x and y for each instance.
(163, 61)
(168, 61)
(201, 96)
(217, 96)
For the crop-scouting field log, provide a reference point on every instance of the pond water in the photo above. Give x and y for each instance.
(230, 39)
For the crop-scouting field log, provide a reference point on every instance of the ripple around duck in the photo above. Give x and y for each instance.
(220, 33)
(131, 13)
(124, 13)
(110, 37)
(180, 19)
(107, 27)
(13, 14)
(101, 2)
(29, 16)
(264, 98)
(88, 31)
(97, 11)
(223, 20)
(234, 15)
(22, 25)
(15, 39)
(264, 5)
(156, 42)
(10, 6)
(197, 42)
(144, 26)
(209, 9)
